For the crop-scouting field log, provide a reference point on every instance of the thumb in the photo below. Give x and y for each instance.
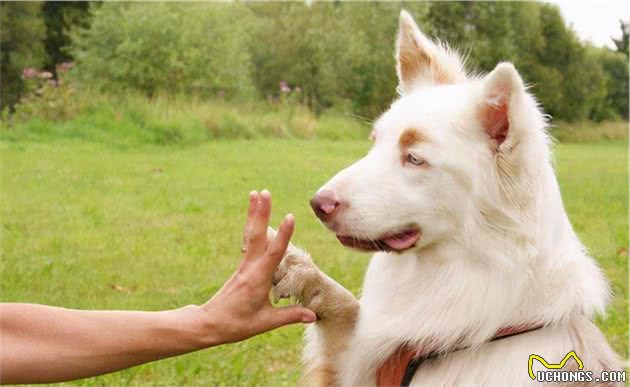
(290, 315)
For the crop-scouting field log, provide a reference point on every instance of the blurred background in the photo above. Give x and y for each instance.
(132, 133)
(314, 63)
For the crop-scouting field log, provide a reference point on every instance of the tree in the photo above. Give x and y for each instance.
(21, 46)
(59, 18)
(622, 43)
(615, 66)
(198, 48)
(483, 30)
(339, 53)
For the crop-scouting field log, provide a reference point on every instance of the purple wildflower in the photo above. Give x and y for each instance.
(29, 72)
(284, 87)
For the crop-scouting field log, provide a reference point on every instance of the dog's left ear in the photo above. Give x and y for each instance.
(502, 88)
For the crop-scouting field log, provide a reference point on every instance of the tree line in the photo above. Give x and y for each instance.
(338, 55)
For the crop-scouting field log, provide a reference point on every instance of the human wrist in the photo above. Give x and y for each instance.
(196, 327)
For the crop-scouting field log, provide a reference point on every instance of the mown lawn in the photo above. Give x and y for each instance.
(88, 225)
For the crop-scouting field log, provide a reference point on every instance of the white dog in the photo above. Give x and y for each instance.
(476, 265)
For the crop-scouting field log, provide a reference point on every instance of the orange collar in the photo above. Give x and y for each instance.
(401, 366)
(393, 370)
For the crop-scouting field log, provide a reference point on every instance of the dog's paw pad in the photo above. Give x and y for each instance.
(295, 277)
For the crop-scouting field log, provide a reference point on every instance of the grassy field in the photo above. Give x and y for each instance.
(88, 225)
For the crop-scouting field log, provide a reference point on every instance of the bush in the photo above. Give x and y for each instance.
(339, 54)
(47, 98)
(198, 49)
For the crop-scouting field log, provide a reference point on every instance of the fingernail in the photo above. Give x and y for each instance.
(252, 194)
(289, 218)
(309, 317)
(265, 192)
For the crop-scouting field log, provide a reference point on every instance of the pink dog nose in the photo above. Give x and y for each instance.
(324, 203)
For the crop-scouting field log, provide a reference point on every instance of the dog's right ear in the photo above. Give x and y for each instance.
(501, 88)
(421, 62)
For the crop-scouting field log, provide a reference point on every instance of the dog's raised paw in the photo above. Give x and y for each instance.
(296, 276)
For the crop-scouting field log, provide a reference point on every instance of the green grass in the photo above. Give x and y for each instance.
(579, 132)
(131, 120)
(89, 225)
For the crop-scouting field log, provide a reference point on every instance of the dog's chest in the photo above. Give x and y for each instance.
(389, 288)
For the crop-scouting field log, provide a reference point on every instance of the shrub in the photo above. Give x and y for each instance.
(47, 98)
(197, 49)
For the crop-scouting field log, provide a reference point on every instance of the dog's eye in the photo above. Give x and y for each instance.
(415, 160)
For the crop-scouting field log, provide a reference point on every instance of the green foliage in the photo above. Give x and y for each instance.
(622, 43)
(45, 98)
(616, 70)
(580, 132)
(345, 53)
(483, 31)
(51, 112)
(338, 54)
(92, 226)
(64, 112)
(573, 82)
(21, 46)
(59, 17)
(199, 49)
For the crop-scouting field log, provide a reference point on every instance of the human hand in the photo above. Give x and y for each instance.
(242, 308)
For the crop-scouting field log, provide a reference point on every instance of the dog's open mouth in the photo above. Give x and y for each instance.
(392, 242)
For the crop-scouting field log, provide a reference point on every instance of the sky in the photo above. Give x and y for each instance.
(595, 20)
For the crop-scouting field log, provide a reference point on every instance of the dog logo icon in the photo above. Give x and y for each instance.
(552, 366)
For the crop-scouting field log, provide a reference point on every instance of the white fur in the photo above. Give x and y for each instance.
(497, 248)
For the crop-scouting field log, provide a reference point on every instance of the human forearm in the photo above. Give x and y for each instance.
(56, 344)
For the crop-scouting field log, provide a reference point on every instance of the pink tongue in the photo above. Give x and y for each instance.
(402, 241)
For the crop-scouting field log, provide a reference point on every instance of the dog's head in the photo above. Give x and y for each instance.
(445, 154)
